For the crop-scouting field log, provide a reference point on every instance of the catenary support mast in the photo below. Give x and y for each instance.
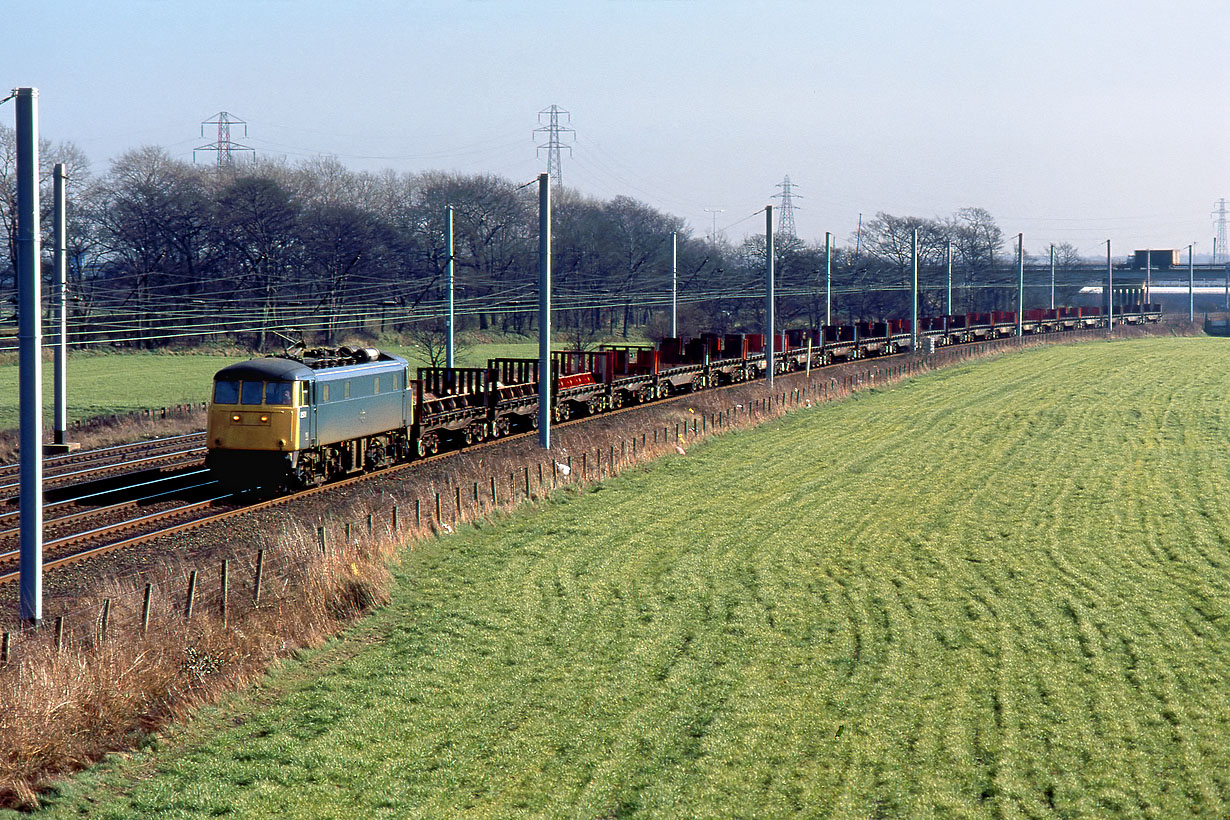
(30, 363)
(544, 311)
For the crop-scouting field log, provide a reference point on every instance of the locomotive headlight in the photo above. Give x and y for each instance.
(264, 419)
(235, 417)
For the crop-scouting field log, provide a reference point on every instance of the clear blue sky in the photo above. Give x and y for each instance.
(1070, 121)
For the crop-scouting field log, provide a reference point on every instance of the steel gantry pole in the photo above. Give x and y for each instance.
(30, 363)
(768, 294)
(1020, 284)
(544, 311)
(452, 270)
(1110, 288)
(1148, 275)
(1191, 285)
(1225, 271)
(948, 264)
(1052, 276)
(828, 278)
(1214, 261)
(61, 272)
(914, 291)
(674, 285)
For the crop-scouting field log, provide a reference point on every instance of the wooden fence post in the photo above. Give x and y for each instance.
(149, 594)
(106, 619)
(59, 633)
(191, 596)
(320, 537)
(223, 583)
(6, 647)
(256, 582)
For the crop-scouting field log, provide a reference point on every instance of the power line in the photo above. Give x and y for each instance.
(553, 130)
(224, 146)
(1220, 255)
(785, 219)
(713, 234)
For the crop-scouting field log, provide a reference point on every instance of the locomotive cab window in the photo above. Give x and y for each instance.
(278, 393)
(226, 392)
(252, 392)
(303, 394)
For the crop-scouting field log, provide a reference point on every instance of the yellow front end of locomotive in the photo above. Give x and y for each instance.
(252, 427)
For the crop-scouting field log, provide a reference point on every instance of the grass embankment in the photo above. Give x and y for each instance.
(997, 591)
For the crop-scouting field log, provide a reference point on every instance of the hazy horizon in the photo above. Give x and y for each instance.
(1068, 122)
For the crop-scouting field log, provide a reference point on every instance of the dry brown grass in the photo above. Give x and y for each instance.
(65, 708)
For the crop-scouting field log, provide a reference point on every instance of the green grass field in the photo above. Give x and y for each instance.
(998, 591)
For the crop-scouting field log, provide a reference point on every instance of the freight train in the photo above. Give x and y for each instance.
(309, 416)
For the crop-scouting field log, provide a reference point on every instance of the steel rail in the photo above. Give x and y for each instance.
(119, 466)
(86, 455)
(97, 511)
(200, 522)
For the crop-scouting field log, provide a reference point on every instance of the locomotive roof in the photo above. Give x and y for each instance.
(284, 369)
(387, 362)
(266, 370)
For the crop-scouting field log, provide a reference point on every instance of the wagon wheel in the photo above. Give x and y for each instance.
(469, 436)
(617, 401)
(434, 444)
(420, 447)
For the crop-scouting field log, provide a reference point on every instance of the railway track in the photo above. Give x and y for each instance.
(163, 512)
(92, 465)
(138, 522)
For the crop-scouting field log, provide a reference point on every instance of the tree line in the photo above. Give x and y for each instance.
(161, 250)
